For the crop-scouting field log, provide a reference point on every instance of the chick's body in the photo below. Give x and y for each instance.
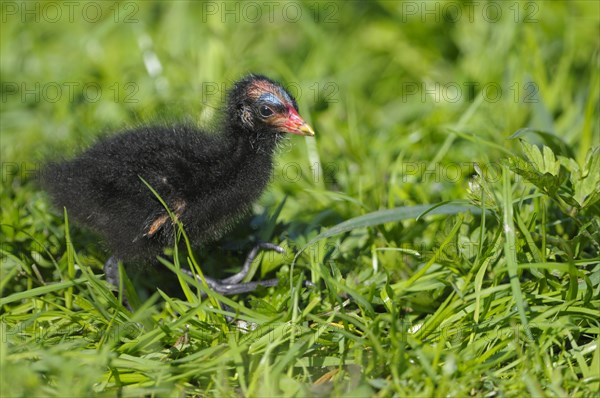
(207, 180)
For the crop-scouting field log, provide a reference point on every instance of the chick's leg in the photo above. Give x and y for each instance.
(111, 272)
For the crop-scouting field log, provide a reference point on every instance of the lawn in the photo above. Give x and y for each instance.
(447, 210)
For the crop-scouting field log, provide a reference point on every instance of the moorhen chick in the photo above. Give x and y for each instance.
(208, 180)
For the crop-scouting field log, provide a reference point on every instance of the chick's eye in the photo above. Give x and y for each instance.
(265, 111)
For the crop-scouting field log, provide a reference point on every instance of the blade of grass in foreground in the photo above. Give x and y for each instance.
(70, 261)
(510, 247)
(392, 215)
(191, 260)
(40, 291)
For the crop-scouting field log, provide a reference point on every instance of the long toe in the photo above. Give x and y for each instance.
(230, 289)
(237, 278)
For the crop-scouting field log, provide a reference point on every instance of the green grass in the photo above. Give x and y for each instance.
(453, 236)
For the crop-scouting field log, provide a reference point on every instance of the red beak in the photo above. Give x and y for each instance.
(296, 125)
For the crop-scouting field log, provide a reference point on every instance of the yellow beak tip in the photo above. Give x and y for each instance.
(307, 130)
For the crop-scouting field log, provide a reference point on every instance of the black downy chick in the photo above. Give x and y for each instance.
(209, 180)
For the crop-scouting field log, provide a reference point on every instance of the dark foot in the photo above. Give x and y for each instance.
(231, 285)
(111, 271)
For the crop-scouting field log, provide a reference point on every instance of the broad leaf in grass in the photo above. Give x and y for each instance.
(540, 168)
(557, 144)
(544, 161)
(585, 180)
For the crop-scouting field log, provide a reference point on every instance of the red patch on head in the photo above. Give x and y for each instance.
(260, 87)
